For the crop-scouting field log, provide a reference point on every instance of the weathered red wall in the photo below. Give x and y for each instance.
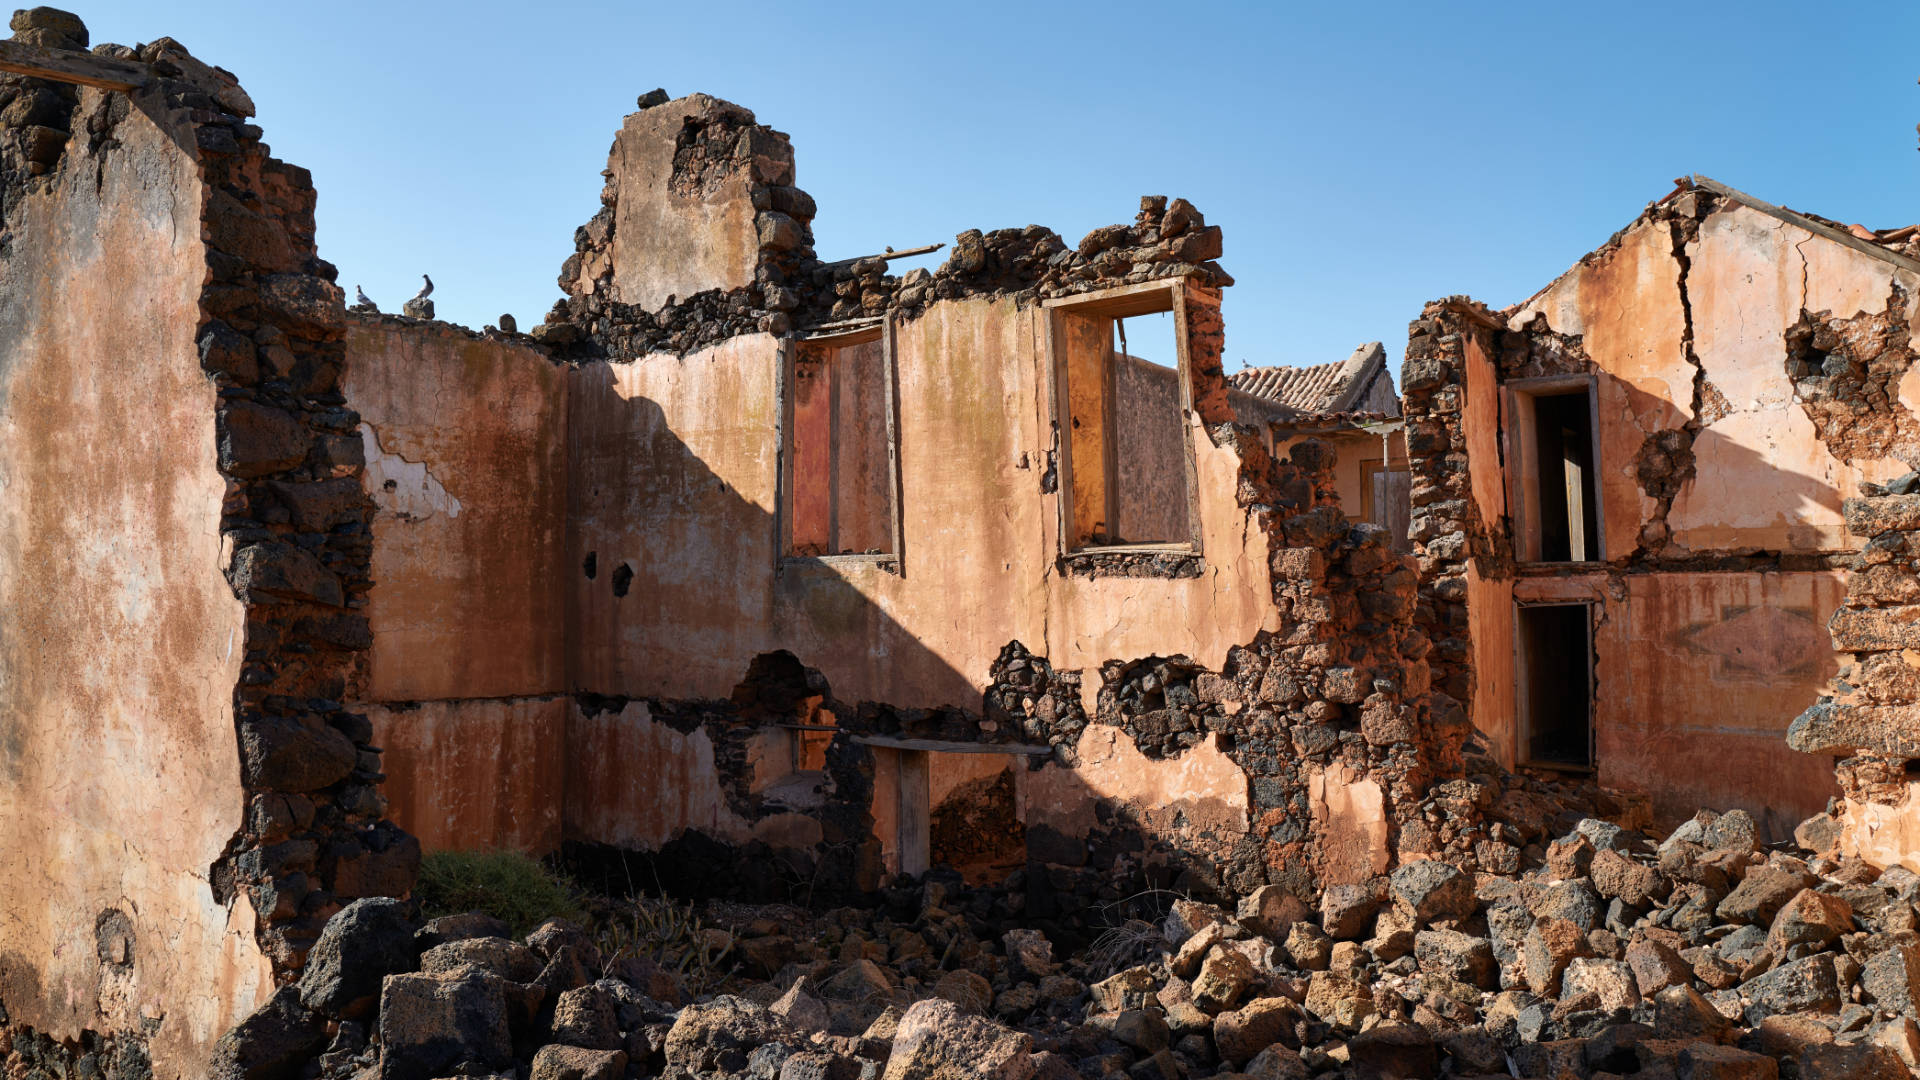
(466, 453)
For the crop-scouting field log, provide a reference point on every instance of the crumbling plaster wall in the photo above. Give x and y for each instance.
(1863, 724)
(191, 792)
(465, 439)
(676, 478)
(1720, 494)
(120, 643)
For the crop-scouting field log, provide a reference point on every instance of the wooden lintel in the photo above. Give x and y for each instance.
(945, 746)
(67, 66)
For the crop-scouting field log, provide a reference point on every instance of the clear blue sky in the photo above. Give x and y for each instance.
(1361, 157)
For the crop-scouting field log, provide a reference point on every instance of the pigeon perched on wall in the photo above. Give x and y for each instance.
(362, 302)
(420, 307)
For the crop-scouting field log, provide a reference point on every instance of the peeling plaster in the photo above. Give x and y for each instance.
(405, 489)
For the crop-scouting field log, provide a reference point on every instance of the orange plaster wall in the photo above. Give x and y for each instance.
(675, 474)
(475, 774)
(1490, 624)
(120, 641)
(466, 445)
(1698, 677)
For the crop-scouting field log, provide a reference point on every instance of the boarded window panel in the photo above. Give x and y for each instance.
(842, 497)
(1088, 344)
(1150, 452)
(811, 446)
(863, 482)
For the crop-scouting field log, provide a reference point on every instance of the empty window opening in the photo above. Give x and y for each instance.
(1554, 669)
(1121, 366)
(840, 448)
(1556, 495)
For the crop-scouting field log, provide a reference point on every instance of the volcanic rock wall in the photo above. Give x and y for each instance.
(1866, 722)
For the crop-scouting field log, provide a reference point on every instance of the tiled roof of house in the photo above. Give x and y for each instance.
(1359, 382)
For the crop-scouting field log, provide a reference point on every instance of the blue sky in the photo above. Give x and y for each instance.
(1362, 158)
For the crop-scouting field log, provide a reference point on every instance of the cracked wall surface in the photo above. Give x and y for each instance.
(1747, 374)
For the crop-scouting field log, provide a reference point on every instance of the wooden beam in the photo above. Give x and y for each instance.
(915, 836)
(67, 66)
(944, 746)
(904, 253)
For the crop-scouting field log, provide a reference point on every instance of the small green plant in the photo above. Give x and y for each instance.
(674, 936)
(505, 884)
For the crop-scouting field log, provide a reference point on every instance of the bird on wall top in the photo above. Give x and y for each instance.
(361, 300)
(425, 290)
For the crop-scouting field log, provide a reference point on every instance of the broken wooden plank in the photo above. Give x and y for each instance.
(67, 66)
(914, 838)
(903, 253)
(945, 746)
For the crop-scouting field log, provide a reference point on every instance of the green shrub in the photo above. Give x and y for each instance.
(505, 884)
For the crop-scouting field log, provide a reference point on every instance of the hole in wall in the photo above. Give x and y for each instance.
(622, 579)
(591, 564)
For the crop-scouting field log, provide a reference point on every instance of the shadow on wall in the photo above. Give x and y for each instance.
(773, 792)
(1709, 671)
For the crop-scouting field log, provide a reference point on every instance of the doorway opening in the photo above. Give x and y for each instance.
(1553, 665)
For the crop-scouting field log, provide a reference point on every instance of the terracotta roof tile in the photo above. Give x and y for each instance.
(1357, 381)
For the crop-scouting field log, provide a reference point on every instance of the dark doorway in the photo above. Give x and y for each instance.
(1554, 669)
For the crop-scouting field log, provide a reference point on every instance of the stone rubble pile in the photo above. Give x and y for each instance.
(1705, 955)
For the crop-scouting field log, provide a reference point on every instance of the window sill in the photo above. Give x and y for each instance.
(1168, 561)
(1538, 566)
(889, 563)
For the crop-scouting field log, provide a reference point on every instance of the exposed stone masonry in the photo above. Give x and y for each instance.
(1870, 717)
(1445, 525)
(1846, 375)
(793, 289)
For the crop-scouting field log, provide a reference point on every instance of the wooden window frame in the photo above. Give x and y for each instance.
(1126, 301)
(883, 331)
(1520, 449)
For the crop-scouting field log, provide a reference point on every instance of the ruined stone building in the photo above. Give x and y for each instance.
(787, 574)
(1632, 483)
